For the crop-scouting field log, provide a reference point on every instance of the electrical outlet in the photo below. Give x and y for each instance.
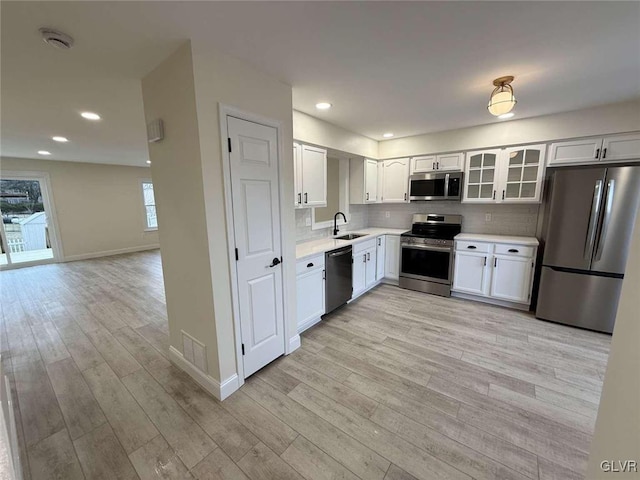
(387, 214)
(307, 222)
(487, 217)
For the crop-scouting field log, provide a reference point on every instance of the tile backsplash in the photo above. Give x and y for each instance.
(304, 233)
(506, 219)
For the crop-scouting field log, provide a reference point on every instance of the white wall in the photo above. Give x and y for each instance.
(99, 207)
(223, 79)
(308, 129)
(614, 118)
(185, 91)
(617, 432)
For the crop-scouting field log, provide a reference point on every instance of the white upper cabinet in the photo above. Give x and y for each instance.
(423, 164)
(613, 148)
(513, 175)
(620, 148)
(395, 184)
(310, 173)
(586, 150)
(480, 181)
(521, 174)
(436, 163)
(363, 181)
(380, 181)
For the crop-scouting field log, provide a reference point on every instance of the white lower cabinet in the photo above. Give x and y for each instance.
(392, 257)
(512, 278)
(471, 273)
(364, 266)
(493, 271)
(310, 289)
(380, 257)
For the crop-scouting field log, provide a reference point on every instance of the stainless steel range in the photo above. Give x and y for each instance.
(426, 253)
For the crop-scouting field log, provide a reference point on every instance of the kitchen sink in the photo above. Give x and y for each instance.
(351, 236)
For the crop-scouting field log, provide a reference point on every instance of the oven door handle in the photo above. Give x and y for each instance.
(427, 247)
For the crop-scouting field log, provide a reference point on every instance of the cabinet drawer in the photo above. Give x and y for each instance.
(516, 250)
(467, 246)
(361, 246)
(310, 263)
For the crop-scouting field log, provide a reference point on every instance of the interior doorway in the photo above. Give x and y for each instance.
(28, 234)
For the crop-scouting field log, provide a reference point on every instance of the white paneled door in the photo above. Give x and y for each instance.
(256, 223)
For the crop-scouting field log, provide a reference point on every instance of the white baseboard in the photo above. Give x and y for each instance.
(294, 344)
(108, 253)
(220, 390)
(308, 324)
(493, 301)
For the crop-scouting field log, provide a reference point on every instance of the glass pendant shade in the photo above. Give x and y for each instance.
(502, 100)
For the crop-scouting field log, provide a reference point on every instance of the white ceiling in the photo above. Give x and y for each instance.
(409, 68)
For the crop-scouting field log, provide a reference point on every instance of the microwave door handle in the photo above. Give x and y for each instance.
(593, 220)
(446, 186)
(608, 205)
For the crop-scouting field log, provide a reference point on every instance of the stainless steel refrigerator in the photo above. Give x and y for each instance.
(591, 218)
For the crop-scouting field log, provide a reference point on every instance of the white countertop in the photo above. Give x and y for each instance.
(323, 245)
(480, 237)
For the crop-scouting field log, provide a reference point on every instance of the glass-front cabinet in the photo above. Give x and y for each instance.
(512, 175)
(481, 177)
(524, 168)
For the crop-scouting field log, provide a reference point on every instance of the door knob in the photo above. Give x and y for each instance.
(274, 262)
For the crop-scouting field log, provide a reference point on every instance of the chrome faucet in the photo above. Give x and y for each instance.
(335, 222)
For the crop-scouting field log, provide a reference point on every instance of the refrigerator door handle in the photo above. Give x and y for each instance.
(593, 220)
(608, 205)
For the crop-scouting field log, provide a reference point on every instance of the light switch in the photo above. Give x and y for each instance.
(387, 214)
(487, 217)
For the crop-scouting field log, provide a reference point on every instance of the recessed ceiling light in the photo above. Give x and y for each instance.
(323, 106)
(148, 162)
(90, 116)
(387, 135)
(60, 139)
(504, 116)
(43, 152)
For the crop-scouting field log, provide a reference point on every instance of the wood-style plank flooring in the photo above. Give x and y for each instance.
(396, 386)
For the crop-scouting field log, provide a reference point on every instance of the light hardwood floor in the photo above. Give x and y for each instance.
(396, 386)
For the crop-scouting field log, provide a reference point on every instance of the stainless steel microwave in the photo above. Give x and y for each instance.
(435, 186)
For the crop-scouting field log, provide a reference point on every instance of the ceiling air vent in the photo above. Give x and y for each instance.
(56, 39)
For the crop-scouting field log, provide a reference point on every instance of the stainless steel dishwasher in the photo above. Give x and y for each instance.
(338, 265)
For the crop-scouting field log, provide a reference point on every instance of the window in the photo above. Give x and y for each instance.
(149, 205)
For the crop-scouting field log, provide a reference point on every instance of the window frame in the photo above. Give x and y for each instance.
(145, 221)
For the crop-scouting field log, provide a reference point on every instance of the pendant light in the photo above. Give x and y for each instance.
(502, 100)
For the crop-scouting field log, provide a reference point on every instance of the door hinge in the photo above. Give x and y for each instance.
(229, 143)
(237, 255)
(243, 349)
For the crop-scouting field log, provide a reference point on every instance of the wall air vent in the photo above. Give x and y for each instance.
(56, 39)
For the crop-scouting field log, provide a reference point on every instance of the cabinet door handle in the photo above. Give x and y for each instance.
(437, 165)
(503, 194)
(597, 153)
(367, 195)
(368, 257)
(299, 198)
(494, 194)
(604, 153)
(405, 197)
(309, 265)
(472, 247)
(495, 262)
(513, 250)
(485, 261)
(379, 242)
(433, 166)
(364, 258)
(306, 198)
